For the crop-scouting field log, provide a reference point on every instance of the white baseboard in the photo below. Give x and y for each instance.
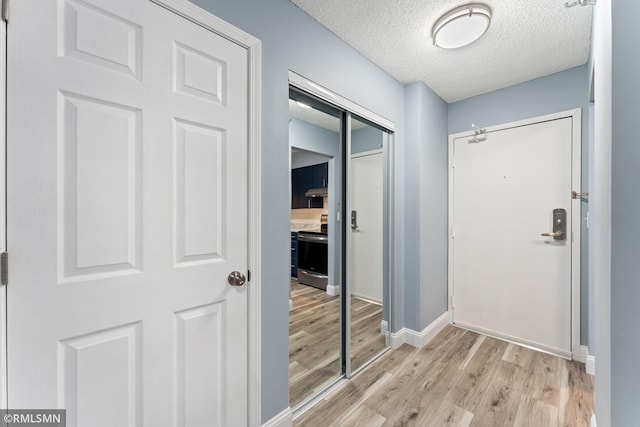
(283, 419)
(333, 290)
(366, 298)
(590, 365)
(398, 338)
(588, 360)
(290, 304)
(593, 420)
(384, 327)
(419, 339)
(582, 354)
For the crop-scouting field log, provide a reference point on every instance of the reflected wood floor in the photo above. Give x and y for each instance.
(314, 338)
(366, 338)
(460, 379)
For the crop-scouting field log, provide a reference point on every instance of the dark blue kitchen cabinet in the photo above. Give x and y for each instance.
(304, 179)
(320, 175)
(294, 254)
(301, 180)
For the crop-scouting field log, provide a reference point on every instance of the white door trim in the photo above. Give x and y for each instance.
(253, 46)
(4, 386)
(576, 115)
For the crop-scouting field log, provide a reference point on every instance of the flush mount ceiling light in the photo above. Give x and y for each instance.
(461, 26)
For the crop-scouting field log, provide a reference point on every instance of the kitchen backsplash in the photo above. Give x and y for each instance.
(306, 219)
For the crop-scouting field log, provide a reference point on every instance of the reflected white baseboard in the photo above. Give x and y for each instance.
(419, 339)
(333, 290)
(283, 419)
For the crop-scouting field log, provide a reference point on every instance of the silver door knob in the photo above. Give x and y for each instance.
(236, 278)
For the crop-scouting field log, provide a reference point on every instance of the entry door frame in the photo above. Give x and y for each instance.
(253, 46)
(576, 170)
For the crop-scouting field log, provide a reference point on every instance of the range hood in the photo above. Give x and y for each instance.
(316, 192)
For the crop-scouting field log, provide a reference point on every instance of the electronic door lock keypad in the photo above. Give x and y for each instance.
(559, 225)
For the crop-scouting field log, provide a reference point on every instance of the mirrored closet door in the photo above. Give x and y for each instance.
(366, 270)
(315, 316)
(339, 290)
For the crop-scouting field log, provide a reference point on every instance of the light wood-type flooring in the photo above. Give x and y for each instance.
(460, 379)
(314, 339)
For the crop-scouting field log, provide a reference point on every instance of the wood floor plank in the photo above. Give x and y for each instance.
(339, 405)
(428, 356)
(472, 384)
(535, 413)
(500, 404)
(363, 417)
(544, 378)
(314, 341)
(312, 380)
(314, 338)
(365, 350)
(427, 382)
(580, 396)
(460, 378)
(449, 414)
(519, 355)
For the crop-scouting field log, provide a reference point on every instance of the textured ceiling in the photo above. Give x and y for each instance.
(527, 39)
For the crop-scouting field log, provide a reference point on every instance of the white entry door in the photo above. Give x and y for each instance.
(507, 279)
(127, 209)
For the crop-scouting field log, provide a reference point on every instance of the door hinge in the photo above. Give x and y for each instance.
(451, 301)
(5, 10)
(248, 275)
(4, 268)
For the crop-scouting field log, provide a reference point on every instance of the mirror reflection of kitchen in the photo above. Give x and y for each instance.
(366, 267)
(314, 316)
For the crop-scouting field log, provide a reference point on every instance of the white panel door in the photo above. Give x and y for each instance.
(508, 280)
(365, 260)
(127, 207)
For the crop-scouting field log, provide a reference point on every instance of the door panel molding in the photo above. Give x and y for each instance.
(576, 168)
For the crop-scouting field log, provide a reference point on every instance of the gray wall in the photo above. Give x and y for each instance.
(366, 139)
(550, 94)
(301, 159)
(313, 139)
(293, 40)
(426, 206)
(625, 221)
